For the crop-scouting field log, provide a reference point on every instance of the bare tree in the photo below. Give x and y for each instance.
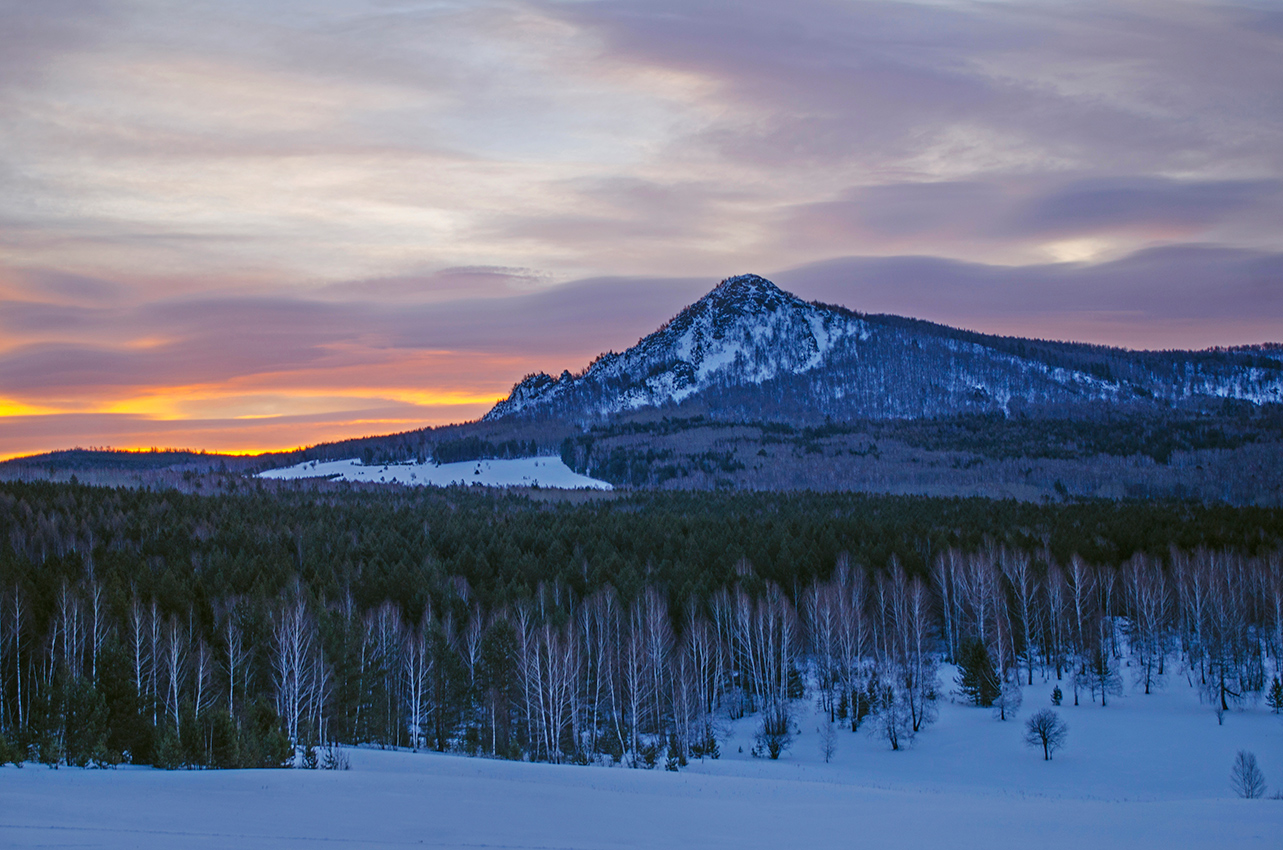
(4, 640)
(235, 653)
(703, 665)
(1192, 588)
(850, 590)
(98, 632)
(1018, 569)
(416, 666)
(138, 628)
(1057, 617)
(599, 626)
(1009, 696)
(17, 623)
(944, 575)
(1098, 673)
(202, 674)
(1246, 778)
(891, 713)
(293, 644)
(384, 634)
(635, 680)
(1149, 599)
(1224, 629)
(912, 646)
(768, 642)
(1081, 581)
(1272, 579)
(820, 622)
(157, 662)
(659, 649)
(470, 644)
(557, 664)
(1047, 730)
(70, 629)
(174, 666)
(828, 741)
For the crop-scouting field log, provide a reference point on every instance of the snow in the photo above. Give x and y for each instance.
(515, 472)
(1145, 772)
(746, 330)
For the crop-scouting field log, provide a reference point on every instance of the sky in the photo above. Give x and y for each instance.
(242, 226)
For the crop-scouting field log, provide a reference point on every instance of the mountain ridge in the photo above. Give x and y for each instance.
(747, 337)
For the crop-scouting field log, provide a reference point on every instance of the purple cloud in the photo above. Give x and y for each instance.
(1102, 204)
(266, 198)
(1182, 297)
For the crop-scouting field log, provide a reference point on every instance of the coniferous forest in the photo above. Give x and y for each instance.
(255, 628)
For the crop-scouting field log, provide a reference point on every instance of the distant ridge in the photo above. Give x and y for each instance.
(748, 348)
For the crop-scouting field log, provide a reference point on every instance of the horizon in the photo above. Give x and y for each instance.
(254, 452)
(251, 229)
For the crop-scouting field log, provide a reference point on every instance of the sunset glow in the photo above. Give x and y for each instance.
(240, 226)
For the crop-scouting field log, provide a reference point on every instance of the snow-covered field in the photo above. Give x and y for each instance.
(1146, 772)
(517, 472)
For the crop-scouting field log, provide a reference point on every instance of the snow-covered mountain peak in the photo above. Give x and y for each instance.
(734, 301)
(746, 330)
(749, 349)
(748, 293)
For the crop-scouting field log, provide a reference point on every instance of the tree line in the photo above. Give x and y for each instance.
(240, 630)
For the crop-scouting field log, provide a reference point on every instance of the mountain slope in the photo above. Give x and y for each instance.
(750, 349)
(745, 331)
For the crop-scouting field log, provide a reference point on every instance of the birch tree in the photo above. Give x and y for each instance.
(293, 642)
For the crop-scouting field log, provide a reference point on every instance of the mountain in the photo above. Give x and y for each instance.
(750, 350)
(744, 332)
(752, 388)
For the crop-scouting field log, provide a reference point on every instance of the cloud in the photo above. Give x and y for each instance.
(1180, 297)
(286, 342)
(959, 85)
(1105, 205)
(221, 210)
(34, 35)
(987, 215)
(897, 212)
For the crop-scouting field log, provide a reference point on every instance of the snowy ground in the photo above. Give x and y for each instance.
(1146, 772)
(518, 472)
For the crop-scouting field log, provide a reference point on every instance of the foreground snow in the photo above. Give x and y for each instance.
(1146, 772)
(517, 472)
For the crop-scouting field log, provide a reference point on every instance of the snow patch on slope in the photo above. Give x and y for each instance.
(513, 472)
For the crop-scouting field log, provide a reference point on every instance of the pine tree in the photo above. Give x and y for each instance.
(1275, 695)
(978, 679)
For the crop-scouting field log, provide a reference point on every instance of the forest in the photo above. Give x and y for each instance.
(259, 627)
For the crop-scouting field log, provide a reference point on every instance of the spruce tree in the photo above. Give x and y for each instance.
(978, 679)
(1275, 695)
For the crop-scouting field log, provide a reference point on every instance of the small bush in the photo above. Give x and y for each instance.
(334, 759)
(774, 735)
(650, 754)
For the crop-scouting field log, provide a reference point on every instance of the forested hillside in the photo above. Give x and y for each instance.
(750, 350)
(172, 629)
